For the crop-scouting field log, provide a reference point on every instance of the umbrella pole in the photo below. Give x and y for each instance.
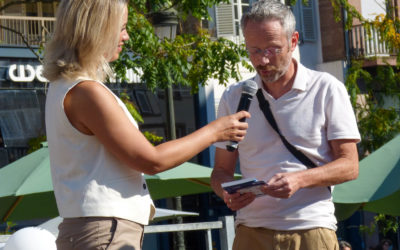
(199, 182)
(12, 208)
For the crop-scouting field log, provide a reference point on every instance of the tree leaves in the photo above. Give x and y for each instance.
(188, 60)
(378, 122)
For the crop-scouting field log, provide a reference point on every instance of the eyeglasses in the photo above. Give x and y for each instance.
(269, 52)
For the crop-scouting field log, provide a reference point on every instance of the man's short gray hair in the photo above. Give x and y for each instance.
(271, 10)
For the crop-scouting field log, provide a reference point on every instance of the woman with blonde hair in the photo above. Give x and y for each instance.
(97, 154)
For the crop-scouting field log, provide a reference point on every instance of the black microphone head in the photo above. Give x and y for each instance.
(249, 87)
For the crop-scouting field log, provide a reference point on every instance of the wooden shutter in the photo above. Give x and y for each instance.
(308, 22)
(225, 20)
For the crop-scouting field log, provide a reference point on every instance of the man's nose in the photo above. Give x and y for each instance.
(263, 60)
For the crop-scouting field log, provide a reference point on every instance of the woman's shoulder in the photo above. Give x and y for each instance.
(90, 89)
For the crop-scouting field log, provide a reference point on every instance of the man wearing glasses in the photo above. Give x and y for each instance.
(313, 113)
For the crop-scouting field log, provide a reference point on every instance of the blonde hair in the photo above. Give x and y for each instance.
(85, 37)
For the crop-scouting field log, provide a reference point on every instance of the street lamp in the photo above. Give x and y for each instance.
(165, 24)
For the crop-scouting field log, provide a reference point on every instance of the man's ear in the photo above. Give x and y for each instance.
(294, 40)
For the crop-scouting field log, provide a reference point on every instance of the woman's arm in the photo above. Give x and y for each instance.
(93, 110)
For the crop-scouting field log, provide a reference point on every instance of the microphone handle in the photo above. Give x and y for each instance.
(244, 104)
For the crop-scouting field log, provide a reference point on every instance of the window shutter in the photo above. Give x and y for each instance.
(307, 12)
(225, 20)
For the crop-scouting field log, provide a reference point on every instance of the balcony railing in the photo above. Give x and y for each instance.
(19, 30)
(364, 43)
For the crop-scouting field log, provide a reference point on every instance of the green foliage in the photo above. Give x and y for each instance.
(8, 229)
(341, 6)
(377, 121)
(153, 138)
(131, 107)
(383, 223)
(197, 8)
(188, 60)
(388, 28)
(36, 143)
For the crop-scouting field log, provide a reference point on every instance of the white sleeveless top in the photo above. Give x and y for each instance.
(87, 179)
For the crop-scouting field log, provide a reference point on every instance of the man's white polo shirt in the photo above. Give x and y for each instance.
(317, 109)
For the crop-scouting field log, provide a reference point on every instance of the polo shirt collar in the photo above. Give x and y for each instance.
(301, 78)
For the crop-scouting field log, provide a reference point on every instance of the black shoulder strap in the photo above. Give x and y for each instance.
(264, 106)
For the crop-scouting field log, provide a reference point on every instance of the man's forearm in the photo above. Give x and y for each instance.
(217, 178)
(333, 173)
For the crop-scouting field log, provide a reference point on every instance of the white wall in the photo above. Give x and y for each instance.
(336, 68)
(372, 8)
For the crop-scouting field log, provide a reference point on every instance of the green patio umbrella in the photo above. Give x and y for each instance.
(377, 188)
(188, 178)
(26, 190)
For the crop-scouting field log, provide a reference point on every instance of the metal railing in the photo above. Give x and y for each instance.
(19, 30)
(225, 226)
(367, 43)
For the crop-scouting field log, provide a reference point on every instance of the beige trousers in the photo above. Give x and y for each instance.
(265, 239)
(88, 233)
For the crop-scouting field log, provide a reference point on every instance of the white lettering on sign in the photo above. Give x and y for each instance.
(28, 73)
(25, 73)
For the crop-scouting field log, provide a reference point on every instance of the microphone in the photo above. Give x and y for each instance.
(249, 89)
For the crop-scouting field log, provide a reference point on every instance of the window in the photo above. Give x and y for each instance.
(224, 20)
(147, 102)
(31, 9)
(239, 7)
(20, 117)
(305, 20)
(12, 10)
(143, 102)
(42, 8)
(49, 9)
(228, 17)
